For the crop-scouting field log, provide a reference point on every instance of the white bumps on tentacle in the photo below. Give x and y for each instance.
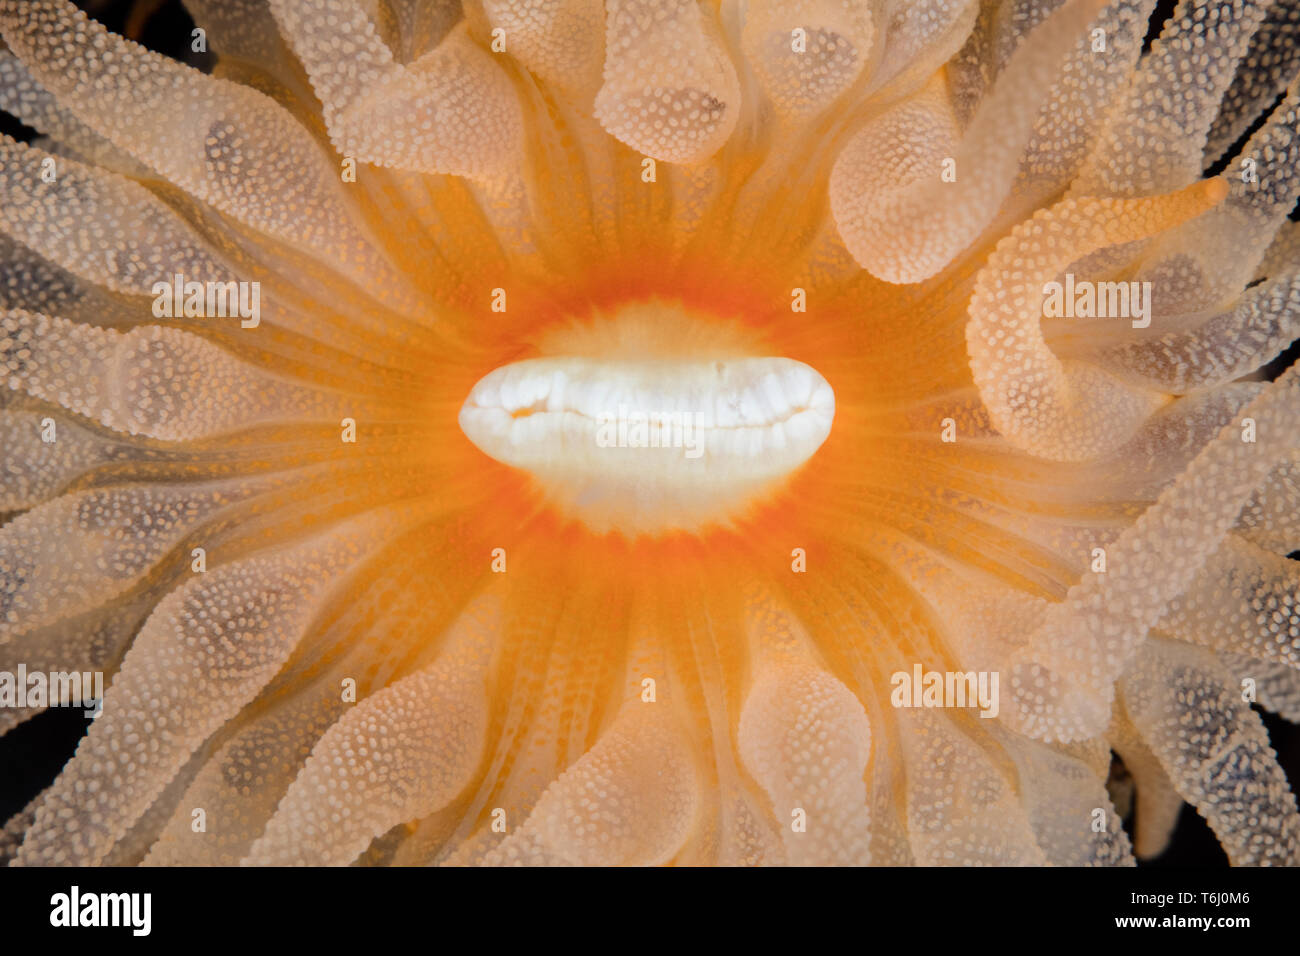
(208, 649)
(1277, 686)
(1153, 140)
(629, 801)
(1282, 253)
(131, 849)
(1221, 348)
(805, 739)
(1271, 62)
(240, 784)
(1215, 750)
(1061, 794)
(961, 808)
(89, 642)
(32, 470)
(1061, 683)
(670, 90)
(453, 110)
(154, 381)
(1076, 108)
(1271, 518)
(1169, 441)
(30, 281)
(37, 107)
(400, 754)
(1244, 600)
(81, 550)
(104, 228)
(224, 143)
(562, 41)
(908, 224)
(1210, 259)
(902, 148)
(1067, 411)
(838, 38)
(920, 36)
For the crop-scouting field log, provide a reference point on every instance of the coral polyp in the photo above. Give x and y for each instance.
(620, 432)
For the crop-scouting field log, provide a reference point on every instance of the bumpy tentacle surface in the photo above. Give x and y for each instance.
(669, 432)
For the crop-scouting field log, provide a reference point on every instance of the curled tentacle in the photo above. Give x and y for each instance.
(670, 90)
(1219, 760)
(930, 218)
(1067, 411)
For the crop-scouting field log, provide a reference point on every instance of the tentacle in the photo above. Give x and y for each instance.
(250, 50)
(1069, 809)
(270, 753)
(1210, 259)
(23, 96)
(31, 281)
(1282, 253)
(997, 30)
(1167, 443)
(735, 825)
(223, 143)
(82, 550)
(15, 828)
(1277, 686)
(670, 90)
(1153, 140)
(928, 221)
(1245, 600)
(907, 145)
(1272, 60)
(919, 37)
(131, 847)
(961, 809)
(1219, 350)
(86, 644)
(452, 111)
(243, 29)
(889, 838)
(1064, 411)
(427, 840)
(837, 45)
(103, 228)
(258, 756)
(1159, 804)
(400, 754)
(33, 470)
(1070, 121)
(154, 381)
(417, 26)
(1215, 750)
(562, 41)
(207, 650)
(1271, 518)
(630, 800)
(805, 739)
(1061, 682)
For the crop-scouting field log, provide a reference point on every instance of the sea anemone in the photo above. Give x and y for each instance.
(654, 431)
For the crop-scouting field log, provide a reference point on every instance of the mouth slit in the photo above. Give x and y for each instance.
(646, 444)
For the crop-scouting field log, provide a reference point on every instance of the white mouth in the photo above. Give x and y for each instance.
(653, 444)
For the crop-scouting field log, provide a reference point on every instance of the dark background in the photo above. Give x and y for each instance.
(32, 754)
